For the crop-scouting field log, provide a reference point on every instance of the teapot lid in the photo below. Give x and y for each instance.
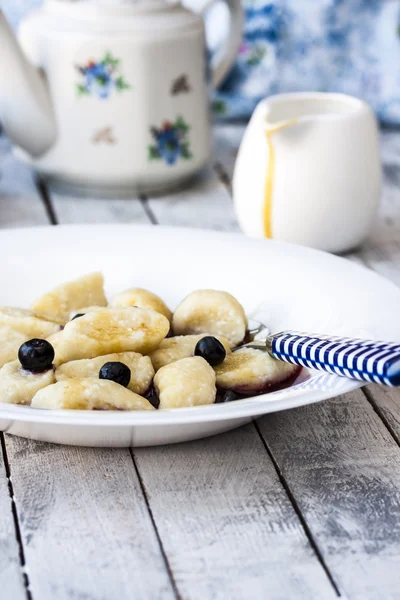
(118, 15)
(147, 5)
(116, 6)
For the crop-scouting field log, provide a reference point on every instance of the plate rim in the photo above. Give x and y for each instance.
(248, 407)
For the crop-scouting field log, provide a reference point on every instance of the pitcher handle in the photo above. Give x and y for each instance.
(227, 54)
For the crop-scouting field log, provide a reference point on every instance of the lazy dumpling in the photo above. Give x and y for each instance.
(89, 394)
(182, 346)
(251, 371)
(18, 386)
(82, 311)
(211, 311)
(141, 369)
(186, 382)
(108, 331)
(11, 340)
(27, 322)
(142, 298)
(60, 302)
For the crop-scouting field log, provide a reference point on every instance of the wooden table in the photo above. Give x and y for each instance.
(299, 504)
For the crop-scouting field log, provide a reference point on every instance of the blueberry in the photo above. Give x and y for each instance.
(227, 396)
(77, 316)
(116, 371)
(152, 397)
(36, 355)
(211, 350)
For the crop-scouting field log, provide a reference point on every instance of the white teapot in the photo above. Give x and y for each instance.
(112, 95)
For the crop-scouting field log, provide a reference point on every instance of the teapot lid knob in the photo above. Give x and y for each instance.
(140, 4)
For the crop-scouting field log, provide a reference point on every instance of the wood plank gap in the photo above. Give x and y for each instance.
(14, 511)
(46, 199)
(298, 512)
(159, 540)
(223, 177)
(146, 207)
(370, 398)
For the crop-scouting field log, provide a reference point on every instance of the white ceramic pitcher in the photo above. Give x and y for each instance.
(308, 171)
(112, 95)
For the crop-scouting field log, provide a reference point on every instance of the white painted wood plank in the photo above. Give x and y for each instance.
(205, 204)
(387, 402)
(382, 253)
(226, 524)
(11, 582)
(85, 525)
(343, 467)
(74, 209)
(382, 250)
(20, 203)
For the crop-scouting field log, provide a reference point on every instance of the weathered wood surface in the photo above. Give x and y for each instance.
(382, 250)
(343, 467)
(11, 577)
(85, 525)
(206, 205)
(20, 203)
(226, 523)
(70, 209)
(386, 402)
(316, 508)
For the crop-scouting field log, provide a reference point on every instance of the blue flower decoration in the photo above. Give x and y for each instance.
(168, 145)
(101, 78)
(98, 80)
(170, 142)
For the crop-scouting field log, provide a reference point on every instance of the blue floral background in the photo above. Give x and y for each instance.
(350, 46)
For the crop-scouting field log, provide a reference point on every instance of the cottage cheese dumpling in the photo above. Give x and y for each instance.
(142, 298)
(142, 371)
(83, 311)
(89, 394)
(213, 312)
(110, 330)
(251, 371)
(186, 382)
(11, 341)
(26, 322)
(181, 346)
(18, 386)
(60, 302)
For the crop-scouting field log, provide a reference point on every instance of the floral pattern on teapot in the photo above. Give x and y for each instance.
(180, 85)
(170, 142)
(101, 78)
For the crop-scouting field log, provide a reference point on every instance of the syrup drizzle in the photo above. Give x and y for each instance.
(270, 177)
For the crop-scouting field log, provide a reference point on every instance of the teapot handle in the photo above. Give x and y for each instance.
(226, 56)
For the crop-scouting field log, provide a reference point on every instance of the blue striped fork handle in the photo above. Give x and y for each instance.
(372, 361)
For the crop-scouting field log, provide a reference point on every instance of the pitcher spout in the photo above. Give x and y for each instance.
(25, 108)
(287, 109)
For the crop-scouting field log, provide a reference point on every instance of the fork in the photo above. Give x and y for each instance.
(364, 360)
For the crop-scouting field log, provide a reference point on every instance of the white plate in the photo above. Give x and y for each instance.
(288, 286)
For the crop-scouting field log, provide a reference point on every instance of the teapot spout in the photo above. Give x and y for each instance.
(25, 107)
